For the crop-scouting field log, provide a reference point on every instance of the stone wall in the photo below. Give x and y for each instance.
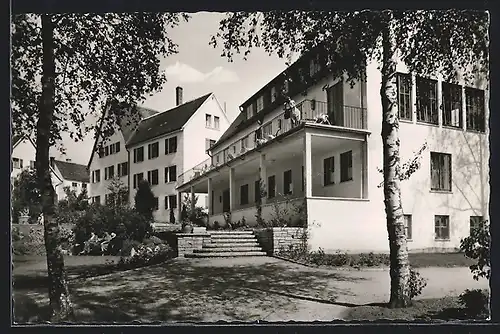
(274, 239)
(188, 242)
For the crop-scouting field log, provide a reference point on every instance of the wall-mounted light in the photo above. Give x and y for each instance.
(313, 104)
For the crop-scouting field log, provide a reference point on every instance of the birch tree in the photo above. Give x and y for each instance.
(452, 43)
(67, 67)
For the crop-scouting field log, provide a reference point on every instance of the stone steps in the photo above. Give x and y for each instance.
(229, 244)
(225, 254)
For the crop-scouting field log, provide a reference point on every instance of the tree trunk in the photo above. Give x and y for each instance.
(58, 288)
(400, 268)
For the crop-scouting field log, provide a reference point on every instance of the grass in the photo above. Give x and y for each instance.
(440, 309)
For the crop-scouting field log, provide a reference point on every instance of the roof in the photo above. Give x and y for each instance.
(167, 121)
(16, 139)
(72, 171)
(126, 129)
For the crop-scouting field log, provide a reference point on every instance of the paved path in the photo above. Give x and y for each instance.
(240, 289)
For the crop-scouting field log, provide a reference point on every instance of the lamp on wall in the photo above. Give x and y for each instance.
(313, 104)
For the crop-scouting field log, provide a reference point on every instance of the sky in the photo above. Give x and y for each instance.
(199, 69)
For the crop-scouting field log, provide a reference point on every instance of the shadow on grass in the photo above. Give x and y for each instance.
(183, 291)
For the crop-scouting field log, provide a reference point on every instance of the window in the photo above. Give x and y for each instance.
(260, 103)
(452, 105)
(271, 186)
(234, 149)
(170, 174)
(84, 185)
(249, 111)
(97, 199)
(474, 102)
(155, 208)
(122, 169)
(32, 164)
(208, 120)
(286, 86)
(408, 227)
(440, 171)
(106, 151)
(139, 154)
(404, 96)
(346, 166)
(244, 144)
(273, 94)
(314, 66)
(17, 163)
(112, 149)
(117, 147)
(97, 175)
(226, 154)
(244, 194)
(153, 150)
(328, 171)
(442, 227)
(257, 191)
(109, 172)
(100, 152)
(427, 110)
(172, 201)
(209, 143)
(74, 184)
(153, 177)
(287, 182)
(138, 178)
(475, 223)
(216, 122)
(171, 145)
(267, 129)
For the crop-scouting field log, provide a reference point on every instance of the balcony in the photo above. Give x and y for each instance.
(310, 111)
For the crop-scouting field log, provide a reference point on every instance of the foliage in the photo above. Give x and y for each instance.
(118, 193)
(146, 256)
(262, 194)
(283, 215)
(172, 216)
(477, 247)
(476, 302)
(72, 201)
(26, 196)
(145, 200)
(197, 215)
(16, 234)
(416, 284)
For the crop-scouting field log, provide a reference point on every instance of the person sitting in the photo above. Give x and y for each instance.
(292, 112)
(87, 248)
(106, 241)
(323, 119)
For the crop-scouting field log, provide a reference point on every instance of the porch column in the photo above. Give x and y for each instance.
(307, 165)
(209, 196)
(179, 206)
(364, 169)
(263, 176)
(193, 198)
(231, 190)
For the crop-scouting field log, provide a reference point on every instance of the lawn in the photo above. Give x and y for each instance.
(432, 309)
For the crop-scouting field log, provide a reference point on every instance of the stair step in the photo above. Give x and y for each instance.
(228, 249)
(232, 241)
(225, 254)
(230, 232)
(233, 236)
(231, 244)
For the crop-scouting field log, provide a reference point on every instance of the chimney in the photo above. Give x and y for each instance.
(225, 107)
(68, 160)
(178, 96)
(52, 161)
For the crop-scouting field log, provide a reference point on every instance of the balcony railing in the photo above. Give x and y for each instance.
(310, 111)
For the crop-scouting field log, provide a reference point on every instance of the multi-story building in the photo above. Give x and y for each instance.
(160, 148)
(64, 173)
(332, 164)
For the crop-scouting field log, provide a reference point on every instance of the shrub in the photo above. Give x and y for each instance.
(477, 247)
(416, 283)
(127, 246)
(475, 302)
(145, 200)
(16, 234)
(146, 256)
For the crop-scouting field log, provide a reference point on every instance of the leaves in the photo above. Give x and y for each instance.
(477, 247)
(97, 57)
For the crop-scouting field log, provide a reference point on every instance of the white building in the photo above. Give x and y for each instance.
(334, 168)
(64, 173)
(160, 148)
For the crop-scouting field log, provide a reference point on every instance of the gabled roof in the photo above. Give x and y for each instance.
(72, 171)
(166, 122)
(16, 139)
(126, 129)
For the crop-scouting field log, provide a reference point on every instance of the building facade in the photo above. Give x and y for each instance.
(160, 147)
(329, 160)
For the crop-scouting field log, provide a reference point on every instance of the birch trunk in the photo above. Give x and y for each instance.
(399, 263)
(58, 288)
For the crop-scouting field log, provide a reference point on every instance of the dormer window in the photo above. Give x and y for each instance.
(249, 111)
(286, 86)
(273, 94)
(260, 103)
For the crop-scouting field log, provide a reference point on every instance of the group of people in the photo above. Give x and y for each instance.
(94, 239)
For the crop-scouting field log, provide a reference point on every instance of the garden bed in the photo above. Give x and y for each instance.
(417, 260)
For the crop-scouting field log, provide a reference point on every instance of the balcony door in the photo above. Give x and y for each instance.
(335, 102)
(225, 201)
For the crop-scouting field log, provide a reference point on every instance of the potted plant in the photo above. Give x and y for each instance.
(187, 225)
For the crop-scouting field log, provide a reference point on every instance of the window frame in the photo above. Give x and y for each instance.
(244, 194)
(404, 96)
(329, 171)
(450, 99)
(138, 154)
(271, 193)
(438, 226)
(408, 221)
(441, 157)
(153, 150)
(475, 114)
(473, 220)
(171, 145)
(151, 177)
(429, 88)
(216, 122)
(288, 186)
(208, 121)
(346, 172)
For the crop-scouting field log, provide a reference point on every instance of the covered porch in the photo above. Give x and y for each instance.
(314, 161)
